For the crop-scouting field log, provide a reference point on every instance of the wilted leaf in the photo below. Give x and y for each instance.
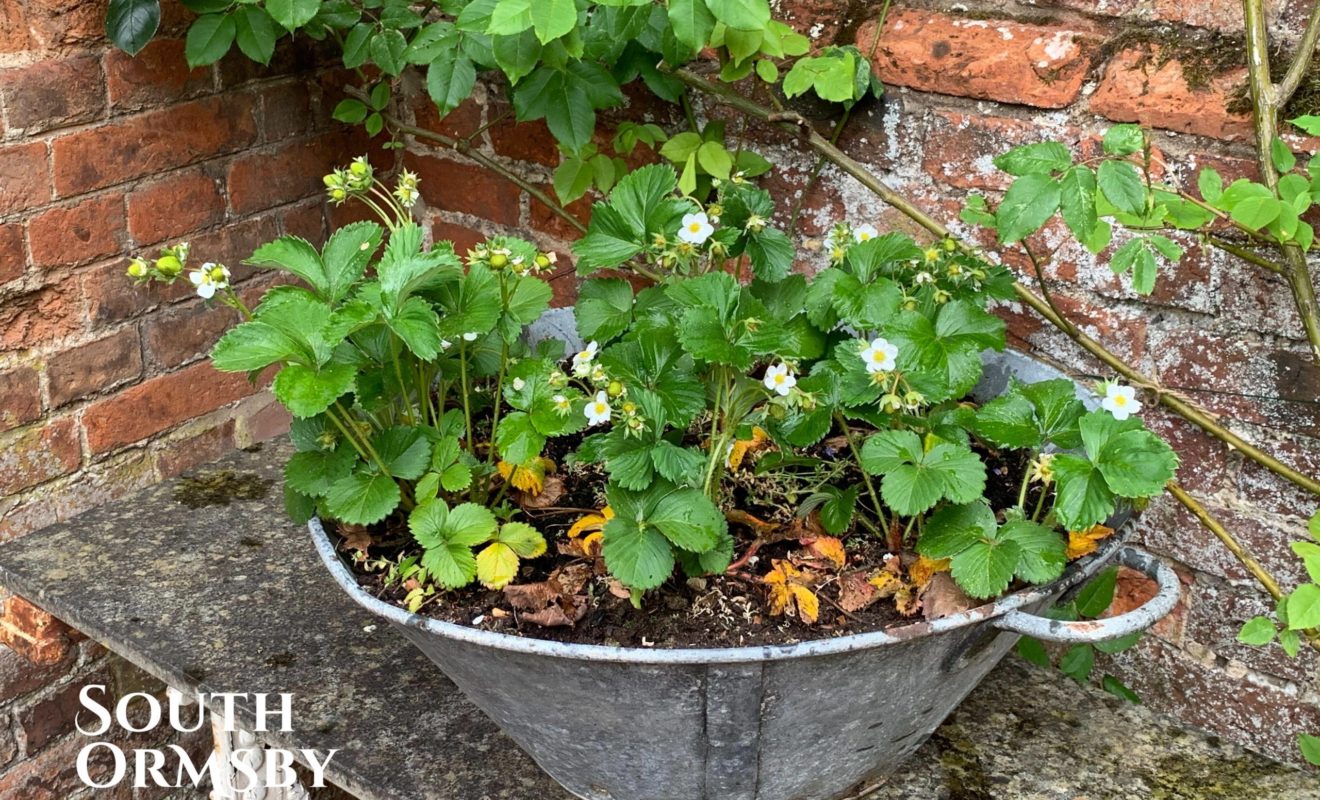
(741, 448)
(591, 523)
(548, 496)
(856, 592)
(1081, 543)
(825, 552)
(790, 592)
(356, 537)
(942, 597)
(528, 478)
(923, 569)
(554, 602)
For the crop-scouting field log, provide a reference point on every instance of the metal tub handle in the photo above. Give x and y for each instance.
(1099, 630)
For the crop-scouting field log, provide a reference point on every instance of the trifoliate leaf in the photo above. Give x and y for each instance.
(362, 498)
(312, 472)
(604, 308)
(689, 519)
(1043, 553)
(986, 567)
(641, 558)
(307, 392)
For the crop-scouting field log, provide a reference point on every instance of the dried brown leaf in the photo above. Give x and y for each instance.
(943, 598)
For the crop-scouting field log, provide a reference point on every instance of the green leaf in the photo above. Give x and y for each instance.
(1111, 646)
(350, 111)
(747, 15)
(356, 45)
(307, 392)
(1082, 498)
(1121, 185)
(1040, 158)
(130, 24)
(255, 32)
(1028, 204)
(1256, 212)
(362, 498)
(771, 253)
(511, 17)
(209, 38)
(1304, 607)
(1308, 744)
(767, 71)
(449, 79)
(1282, 156)
(313, 472)
(1313, 525)
(604, 308)
(642, 558)
(553, 18)
(1118, 689)
(346, 255)
(294, 255)
(1124, 140)
(986, 567)
(517, 438)
(298, 506)
(567, 100)
(1077, 662)
(405, 451)
(1077, 201)
(387, 50)
(692, 22)
(1258, 631)
(679, 465)
(1057, 410)
(1309, 123)
(1309, 553)
(714, 159)
(1043, 552)
(954, 528)
(836, 513)
(1098, 593)
(293, 14)
(252, 346)
(1008, 420)
(1133, 461)
(1033, 652)
(689, 519)
(1211, 185)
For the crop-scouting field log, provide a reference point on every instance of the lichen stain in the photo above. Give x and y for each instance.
(1209, 777)
(219, 488)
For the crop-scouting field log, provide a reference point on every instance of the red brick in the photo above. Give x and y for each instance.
(565, 289)
(174, 206)
(56, 23)
(234, 243)
(18, 676)
(1170, 530)
(1135, 89)
(53, 716)
(20, 397)
(34, 633)
(182, 333)
(152, 142)
(23, 177)
(264, 180)
(150, 407)
(182, 455)
(959, 148)
(157, 75)
(286, 111)
(113, 297)
(1266, 491)
(1219, 610)
(46, 314)
(54, 93)
(53, 773)
(546, 221)
(467, 189)
(306, 220)
(13, 258)
(819, 19)
(14, 37)
(463, 238)
(94, 367)
(459, 123)
(91, 229)
(37, 455)
(265, 423)
(525, 141)
(986, 59)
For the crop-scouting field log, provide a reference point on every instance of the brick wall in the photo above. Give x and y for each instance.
(102, 390)
(964, 86)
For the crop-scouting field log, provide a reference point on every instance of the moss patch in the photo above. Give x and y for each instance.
(1204, 55)
(219, 488)
(1208, 777)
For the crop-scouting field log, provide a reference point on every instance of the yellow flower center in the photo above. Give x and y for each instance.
(695, 227)
(600, 408)
(779, 379)
(1120, 400)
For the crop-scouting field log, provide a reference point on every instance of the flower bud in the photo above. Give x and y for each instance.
(913, 399)
(777, 411)
(169, 266)
(498, 260)
(891, 402)
(137, 269)
(543, 261)
(614, 389)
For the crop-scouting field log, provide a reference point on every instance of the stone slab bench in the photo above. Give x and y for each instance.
(204, 583)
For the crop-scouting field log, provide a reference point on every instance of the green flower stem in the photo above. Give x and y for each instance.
(499, 396)
(1040, 502)
(344, 422)
(718, 439)
(1026, 481)
(866, 476)
(409, 411)
(467, 402)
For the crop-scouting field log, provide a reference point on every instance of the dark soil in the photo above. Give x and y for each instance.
(730, 610)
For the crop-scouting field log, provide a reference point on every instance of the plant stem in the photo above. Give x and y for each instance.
(1301, 62)
(903, 205)
(467, 401)
(866, 476)
(1245, 254)
(1235, 547)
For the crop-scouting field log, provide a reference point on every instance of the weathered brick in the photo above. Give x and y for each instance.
(13, 258)
(263, 180)
(525, 141)
(307, 220)
(148, 408)
(1266, 491)
(174, 206)
(286, 111)
(960, 148)
(52, 717)
(234, 243)
(467, 189)
(18, 676)
(20, 397)
(152, 142)
(94, 367)
(38, 454)
(157, 75)
(266, 422)
(101, 481)
(57, 23)
(46, 314)
(180, 455)
(24, 181)
(53, 93)
(1219, 609)
(546, 221)
(1135, 88)
(461, 122)
(112, 297)
(90, 229)
(14, 37)
(986, 59)
(185, 332)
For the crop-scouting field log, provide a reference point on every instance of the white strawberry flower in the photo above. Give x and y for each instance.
(865, 233)
(470, 336)
(209, 279)
(779, 379)
(445, 344)
(598, 410)
(696, 228)
(879, 355)
(562, 404)
(582, 361)
(1121, 401)
(519, 384)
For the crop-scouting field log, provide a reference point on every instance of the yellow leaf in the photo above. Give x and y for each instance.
(497, 564)
(591, 522)
(808, 605)
(829, 548)
(923, 569)
(742, 447)
(1081, 543)
(592, 542)
(529, 477)
(887, 582)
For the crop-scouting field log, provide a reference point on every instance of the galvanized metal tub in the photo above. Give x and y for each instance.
(809, 721)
